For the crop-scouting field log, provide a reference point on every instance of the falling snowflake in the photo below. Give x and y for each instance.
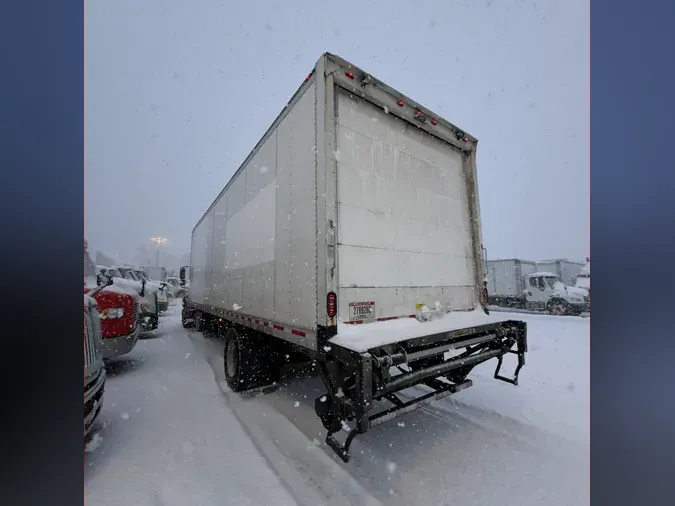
(391, 467)
(124, 416)
(296, 404)
(236, 307)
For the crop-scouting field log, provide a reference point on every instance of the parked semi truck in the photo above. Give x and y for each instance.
(94, 369)
(118, 307)
(351, 233)
(521, 284)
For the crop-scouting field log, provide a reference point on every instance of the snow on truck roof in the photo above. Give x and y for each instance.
(543, 274)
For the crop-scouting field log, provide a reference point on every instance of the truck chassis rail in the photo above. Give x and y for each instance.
(355, 382)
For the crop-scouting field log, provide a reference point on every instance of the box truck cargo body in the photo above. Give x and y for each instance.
(567, 271)
(351, 233)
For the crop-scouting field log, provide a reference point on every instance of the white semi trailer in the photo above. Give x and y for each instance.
(351, 233)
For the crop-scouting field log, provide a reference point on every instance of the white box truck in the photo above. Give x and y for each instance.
(351, 233)
(523, 284)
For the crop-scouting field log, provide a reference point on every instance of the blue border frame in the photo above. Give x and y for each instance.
(633, 248)
(42, 151)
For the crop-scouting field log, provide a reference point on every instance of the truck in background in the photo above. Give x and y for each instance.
(519, 284)
(176, 288)
(118, 308)
(584, 278)
(149, 304)
(352, 234)
(155, 273)
(566, 270)
(160, 287)
(94, 369)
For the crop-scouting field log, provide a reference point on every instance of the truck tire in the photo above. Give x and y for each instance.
(187, 322)
(249, 361)
(559, 307)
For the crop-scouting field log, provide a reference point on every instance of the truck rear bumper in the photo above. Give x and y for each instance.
(93, 400)
(121, 345)
(363, 385)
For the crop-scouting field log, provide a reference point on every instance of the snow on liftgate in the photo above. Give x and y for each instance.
(351, 233)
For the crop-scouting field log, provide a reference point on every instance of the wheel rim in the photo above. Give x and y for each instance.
(557, 309)
(230, 358)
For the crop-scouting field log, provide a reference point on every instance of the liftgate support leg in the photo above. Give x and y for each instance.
(522, 348)
(359, 409)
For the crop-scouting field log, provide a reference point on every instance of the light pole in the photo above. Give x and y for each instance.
(158, 241)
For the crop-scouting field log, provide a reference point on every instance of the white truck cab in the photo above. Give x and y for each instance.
(544, 290)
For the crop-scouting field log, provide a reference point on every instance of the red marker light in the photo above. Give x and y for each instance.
(465, 139)
(434, 122)
(400, 103)
(350, 75)
(308, 77)
(331, 305)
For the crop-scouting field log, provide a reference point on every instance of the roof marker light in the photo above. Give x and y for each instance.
(350, 75)
(434, 122)
(400, 103)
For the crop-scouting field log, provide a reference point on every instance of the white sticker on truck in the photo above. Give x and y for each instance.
(361, 311)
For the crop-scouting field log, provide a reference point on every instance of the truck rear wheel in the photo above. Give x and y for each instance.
(250, 361)
(559, 307)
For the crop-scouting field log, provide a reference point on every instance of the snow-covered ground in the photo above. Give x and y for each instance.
(171, 432)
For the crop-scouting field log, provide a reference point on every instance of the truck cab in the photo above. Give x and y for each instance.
(545, 291)
(94, 369)
(176, 289)
(149, 305)
(118, 310)
(159, 286)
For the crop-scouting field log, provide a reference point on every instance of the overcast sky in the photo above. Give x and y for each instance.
(179, 92)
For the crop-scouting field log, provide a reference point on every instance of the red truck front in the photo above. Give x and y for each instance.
(118, 309)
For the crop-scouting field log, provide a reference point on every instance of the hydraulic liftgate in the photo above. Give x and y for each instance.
(357, 381)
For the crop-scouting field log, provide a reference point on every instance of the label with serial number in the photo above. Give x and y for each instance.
(360, 311)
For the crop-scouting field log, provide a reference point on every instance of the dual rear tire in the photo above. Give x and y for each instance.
(250, 359)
